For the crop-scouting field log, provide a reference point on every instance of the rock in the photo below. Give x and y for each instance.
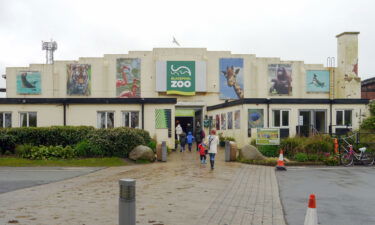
(142, 152)
(249, 152)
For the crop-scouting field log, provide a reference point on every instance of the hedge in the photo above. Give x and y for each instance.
(87, 141)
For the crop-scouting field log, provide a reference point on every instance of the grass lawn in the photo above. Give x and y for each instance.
(89, 162)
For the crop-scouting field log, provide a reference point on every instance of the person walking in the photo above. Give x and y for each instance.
(202, 153)
(199, 135)
(182, 141)
(190, 139)
(179, 131)
(212, 143)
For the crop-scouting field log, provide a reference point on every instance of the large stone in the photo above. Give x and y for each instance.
(142, 152)
(250, 152)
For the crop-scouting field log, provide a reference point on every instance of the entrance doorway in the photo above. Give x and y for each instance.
(313, 121)
(189, 115)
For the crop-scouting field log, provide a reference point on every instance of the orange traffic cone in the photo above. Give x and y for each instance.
(280, 162)
(311, 217)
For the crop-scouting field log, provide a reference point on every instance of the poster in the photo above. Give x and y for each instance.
(223, 121)
(128, 78)
(79, 79)
(181, 77)
(217, 120)
(237, 119)
(29, 83)
(268, 136)
(163, 119)
(280, 79)
(317, 81)
(230, 120)
(231, 78)
(256, 118)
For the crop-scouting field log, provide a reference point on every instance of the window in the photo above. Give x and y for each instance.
(130, 119)
(344, 117)
(28, 119)
(5, 119)
(280, 118)
(106, 119)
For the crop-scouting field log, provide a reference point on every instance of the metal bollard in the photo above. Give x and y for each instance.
(163, 151)
(127, 202)
(227, 151)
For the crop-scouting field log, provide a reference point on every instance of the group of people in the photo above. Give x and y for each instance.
(203, 148)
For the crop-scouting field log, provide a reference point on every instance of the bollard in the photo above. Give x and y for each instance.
(127, 202)
(163, 151)
(227, 151)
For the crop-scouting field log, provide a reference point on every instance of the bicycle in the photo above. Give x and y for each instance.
(347, 158)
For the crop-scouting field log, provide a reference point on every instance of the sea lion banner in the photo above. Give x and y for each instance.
(181, 77)
(128, 78)
(317, 81)
(231, 78)
(29, 83)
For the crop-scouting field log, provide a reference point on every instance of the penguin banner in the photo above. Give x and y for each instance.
(231, 78)
(128, 78)
(317, 81)
(29, 83)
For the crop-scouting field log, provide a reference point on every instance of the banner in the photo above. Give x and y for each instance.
(280, 79)
(231, 78)
(181, 77)
(79, 79)
(29, 83)
(184, 112)
(268, 136)
(237, 119)
(163, 119)
(230, 120)
(317, 81)
(128, 78)
(256, 118)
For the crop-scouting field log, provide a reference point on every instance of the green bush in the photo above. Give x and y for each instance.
(292, 145)
(269, 150)
(319, 144)
(332, 160)
(23, 151)
(46, 152)
(152, 145)
(301, 157)
(83, 149)
(314, 157)
(115, 142)
(143, 133)
(7, 143)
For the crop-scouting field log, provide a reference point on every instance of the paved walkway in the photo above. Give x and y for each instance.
(179, 192)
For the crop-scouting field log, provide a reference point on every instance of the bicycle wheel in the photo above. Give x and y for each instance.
(367, 159)
(347, 159)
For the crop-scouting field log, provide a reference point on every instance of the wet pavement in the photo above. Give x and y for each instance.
(179, 192)
(345, 195)
(14, 178)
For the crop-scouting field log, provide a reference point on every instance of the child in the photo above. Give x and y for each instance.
(182, 141)
(190, 139)
(202, 153)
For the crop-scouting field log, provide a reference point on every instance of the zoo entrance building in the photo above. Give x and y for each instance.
(232, 93)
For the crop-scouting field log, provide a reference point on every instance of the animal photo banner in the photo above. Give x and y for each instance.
(181, 77)
(230, 120)
(256, 118)
(223, 121)
(29, 83)
(128, 78)
(217, 122)
(231, 78)
(237, 119)
(79, 79)
(317, 81)
(280, 79)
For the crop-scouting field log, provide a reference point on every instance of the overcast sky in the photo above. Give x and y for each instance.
(289, 29)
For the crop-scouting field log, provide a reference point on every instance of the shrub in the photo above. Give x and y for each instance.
(7, 143)
(331, 160)
(269, 150)
(23, 151)
(83, 149)
(48, 152)
(143, 133)
(319, 144)
(152, 145)
(291, 146)
(301, 157)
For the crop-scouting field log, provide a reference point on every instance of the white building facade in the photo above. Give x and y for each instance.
(152, 90)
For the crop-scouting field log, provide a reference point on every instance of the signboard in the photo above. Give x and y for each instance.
(317, 81)
(185, 112)
(181, 77)
(300, 120)
(268, 136)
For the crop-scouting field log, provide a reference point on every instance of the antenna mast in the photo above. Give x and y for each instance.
(50, 47)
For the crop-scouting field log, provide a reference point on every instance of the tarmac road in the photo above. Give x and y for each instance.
(345, 195)
(14, 178)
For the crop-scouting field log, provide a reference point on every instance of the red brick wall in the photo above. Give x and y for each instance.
(368, 91)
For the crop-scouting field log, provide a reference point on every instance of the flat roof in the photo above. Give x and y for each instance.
(350, 32)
